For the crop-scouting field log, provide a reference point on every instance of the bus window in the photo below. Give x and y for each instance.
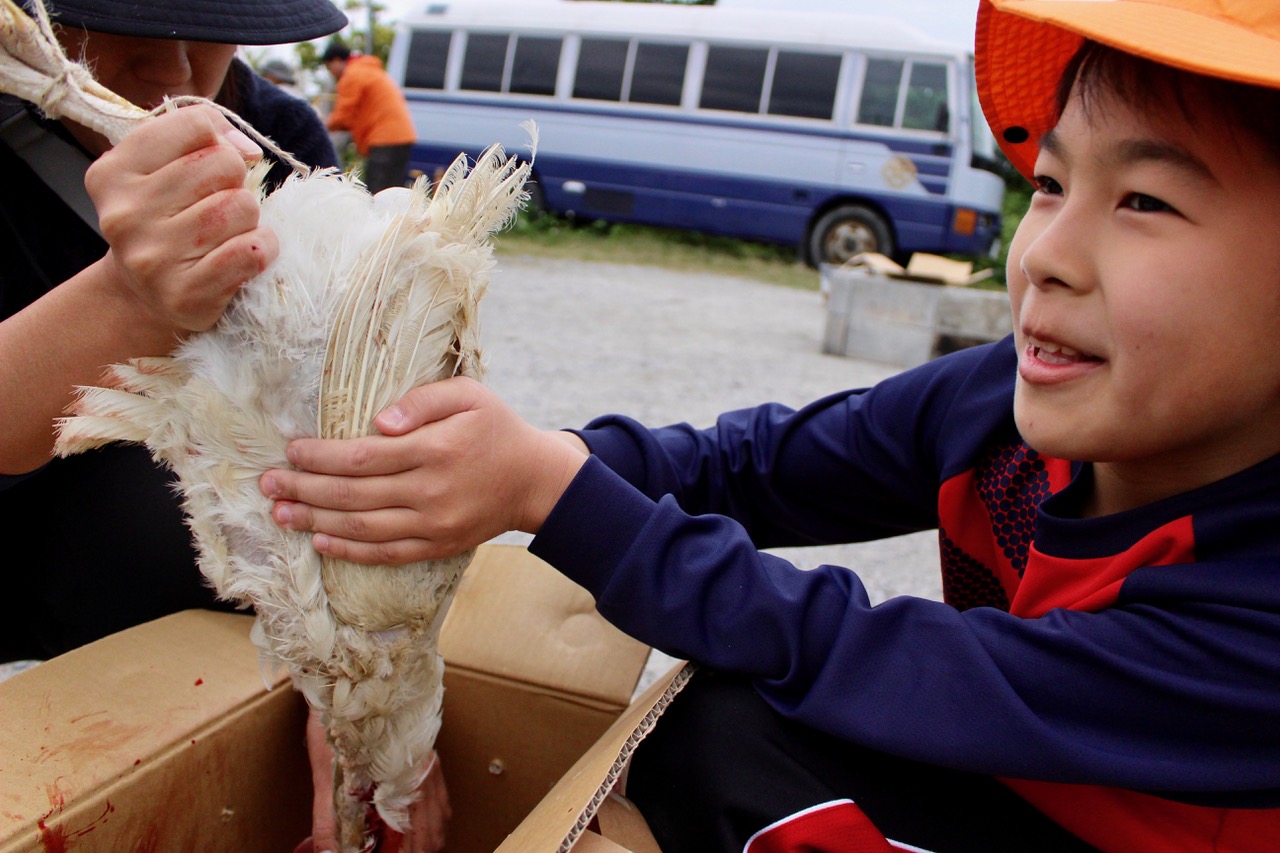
(484, 63)
(602, 65)
(533, 71)
(428, 54)
(804, 85)
(926, 107)
(658, 74)
(734, 78)
(879, 103)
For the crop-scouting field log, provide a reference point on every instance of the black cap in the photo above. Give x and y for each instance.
(254, 22)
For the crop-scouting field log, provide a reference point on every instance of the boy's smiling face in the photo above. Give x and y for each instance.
(1145, 286)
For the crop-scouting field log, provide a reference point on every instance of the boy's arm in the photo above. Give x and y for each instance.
(853, 466)
(1167, 691)
(454, 466)
(1102, 698)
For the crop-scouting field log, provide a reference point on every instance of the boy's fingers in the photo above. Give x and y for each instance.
(371, 456)
(401, 552)
(428, 403)
(378, 525)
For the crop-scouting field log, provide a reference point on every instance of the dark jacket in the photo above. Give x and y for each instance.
(104, 542)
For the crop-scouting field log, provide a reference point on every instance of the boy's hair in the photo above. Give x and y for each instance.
(1097, 69)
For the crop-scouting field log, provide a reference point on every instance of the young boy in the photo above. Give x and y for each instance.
(1105, 672)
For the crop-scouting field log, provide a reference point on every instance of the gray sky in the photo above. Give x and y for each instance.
(950, 20)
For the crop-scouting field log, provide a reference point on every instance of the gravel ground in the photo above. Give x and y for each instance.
(566, 341)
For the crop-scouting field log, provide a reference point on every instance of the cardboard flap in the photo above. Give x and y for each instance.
(124, 713)
(573, 802)
(506, 599)
(922, 267)
(876, 263)
(592, 842)
(621, 823)
(127, 741)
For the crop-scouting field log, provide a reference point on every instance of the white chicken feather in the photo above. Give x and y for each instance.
(369, 297)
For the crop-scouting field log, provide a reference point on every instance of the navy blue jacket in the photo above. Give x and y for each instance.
(1083, 660)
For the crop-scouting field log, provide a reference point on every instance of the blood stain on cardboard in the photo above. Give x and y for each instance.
(97, 737)
(86, 716)
(56, 838)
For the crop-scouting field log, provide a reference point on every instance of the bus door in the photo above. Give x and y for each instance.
(897, 160)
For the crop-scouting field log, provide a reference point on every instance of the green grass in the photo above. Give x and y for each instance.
(542, 235)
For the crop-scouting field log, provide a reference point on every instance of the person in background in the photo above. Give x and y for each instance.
(1104, 669)
(281, 73)
(370, 105)
(108, 254)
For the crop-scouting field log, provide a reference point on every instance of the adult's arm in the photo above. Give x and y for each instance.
(184, 236)
(346, 102)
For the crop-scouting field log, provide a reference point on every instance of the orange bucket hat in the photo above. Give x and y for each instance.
(1023, 46)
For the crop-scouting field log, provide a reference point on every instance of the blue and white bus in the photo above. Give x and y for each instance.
(835, 133)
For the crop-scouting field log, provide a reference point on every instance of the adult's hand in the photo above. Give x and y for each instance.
(429, 814)
(182, 227)
(184, 236)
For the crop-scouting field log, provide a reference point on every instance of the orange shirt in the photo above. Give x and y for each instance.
(371, 106)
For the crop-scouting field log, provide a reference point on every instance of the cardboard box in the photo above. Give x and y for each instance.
(879, 311)
(164, 737)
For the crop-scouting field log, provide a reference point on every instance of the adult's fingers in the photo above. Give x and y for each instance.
(429, 815)
(172, 135)
(324, 825)
(225, 270)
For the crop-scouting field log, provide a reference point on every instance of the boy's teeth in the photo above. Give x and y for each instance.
(1059, 350)
(1055, 356)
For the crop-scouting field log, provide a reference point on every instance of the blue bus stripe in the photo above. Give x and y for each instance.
(770, 210)
(941, 148)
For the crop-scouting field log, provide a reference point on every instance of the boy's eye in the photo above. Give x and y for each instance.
(1047, 185)
(1145, 203)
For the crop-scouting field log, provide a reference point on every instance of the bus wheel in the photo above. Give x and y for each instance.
(847, 231)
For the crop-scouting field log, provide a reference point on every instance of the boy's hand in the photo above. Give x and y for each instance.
(182, 227)
(454, 467)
